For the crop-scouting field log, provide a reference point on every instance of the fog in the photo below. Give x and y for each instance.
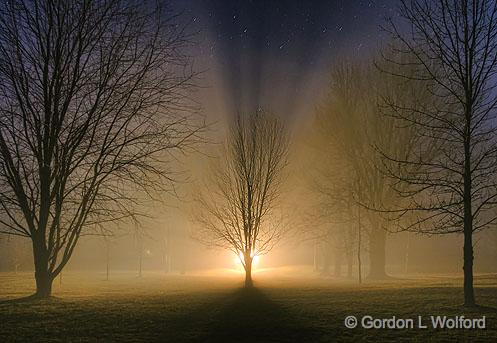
(247, 170)
(190, 257)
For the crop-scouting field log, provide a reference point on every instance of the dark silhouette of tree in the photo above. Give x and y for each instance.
(238, 208)
(93, 101)
(453, 49)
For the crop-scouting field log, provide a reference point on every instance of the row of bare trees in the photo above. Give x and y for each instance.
(94, 101)
(411, 140)
(350, 127)
(418, 131)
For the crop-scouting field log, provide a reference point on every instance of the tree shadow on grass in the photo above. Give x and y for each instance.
(23, 300)
(243, 315)
(250, 316)
(480, 309)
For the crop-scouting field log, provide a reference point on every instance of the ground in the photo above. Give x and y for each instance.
(211, 308)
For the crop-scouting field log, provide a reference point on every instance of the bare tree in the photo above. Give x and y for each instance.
(347, 127)
(93, 100)
(453, 49)
(238, 209)
(352, 126)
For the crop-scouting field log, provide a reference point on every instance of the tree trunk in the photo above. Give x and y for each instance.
(350, 263)
(16, 257)
(140, 258)
(469, 295)
(43, 285)
(359, 261)
(166, 253)
(359, 244)
(140, 265)
(43, 276)
(377, 252)
(338, 262)
(326, 259)
(315, 260)
(248, 270)
(406, 256)
(107, 259)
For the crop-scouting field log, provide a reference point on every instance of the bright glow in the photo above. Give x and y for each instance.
(238, 260)
(255, 261)
(239, 265)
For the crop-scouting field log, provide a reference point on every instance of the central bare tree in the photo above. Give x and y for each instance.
(237, 210)
(92, 101)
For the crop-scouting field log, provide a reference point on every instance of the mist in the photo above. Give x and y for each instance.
(248, 171)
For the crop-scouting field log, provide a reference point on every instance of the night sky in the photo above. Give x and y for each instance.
(277, 54)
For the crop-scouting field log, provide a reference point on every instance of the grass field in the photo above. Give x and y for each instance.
(208, 308)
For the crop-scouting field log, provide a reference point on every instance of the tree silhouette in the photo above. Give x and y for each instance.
(449, 179)
(93, 100)
(237, 208)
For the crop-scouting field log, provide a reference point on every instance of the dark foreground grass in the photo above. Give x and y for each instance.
(213, 309)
